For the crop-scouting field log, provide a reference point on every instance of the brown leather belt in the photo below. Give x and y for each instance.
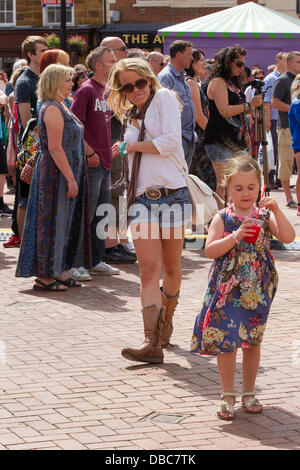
(157, 193)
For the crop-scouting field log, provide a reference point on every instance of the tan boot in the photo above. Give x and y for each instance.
(166, 328)
(150, 350)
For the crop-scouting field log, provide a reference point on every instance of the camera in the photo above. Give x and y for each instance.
(258, 86)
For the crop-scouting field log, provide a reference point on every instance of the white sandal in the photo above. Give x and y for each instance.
(251, 402)
(225, 407)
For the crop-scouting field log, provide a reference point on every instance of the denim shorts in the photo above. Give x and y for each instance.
(216, 153)
(174, 210)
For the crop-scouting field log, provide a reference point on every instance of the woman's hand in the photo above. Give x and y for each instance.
(72, 188)
(256, 101)
(245, 230)
(116, 149)
(269, 203)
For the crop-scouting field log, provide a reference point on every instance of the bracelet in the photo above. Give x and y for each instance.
(123, 149)
(233, 235)
(89, 156)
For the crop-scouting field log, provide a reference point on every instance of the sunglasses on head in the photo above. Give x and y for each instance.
(140, 84)
(239, 63)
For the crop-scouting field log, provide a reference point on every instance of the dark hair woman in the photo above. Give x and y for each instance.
(226, 133)
(201, 166)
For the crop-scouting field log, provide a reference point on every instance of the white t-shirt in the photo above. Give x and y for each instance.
(163, 128)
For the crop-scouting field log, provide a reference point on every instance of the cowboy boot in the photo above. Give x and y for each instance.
(166, 328)
(150, 350)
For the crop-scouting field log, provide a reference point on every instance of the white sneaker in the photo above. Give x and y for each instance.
(80, 274)
(104, 269)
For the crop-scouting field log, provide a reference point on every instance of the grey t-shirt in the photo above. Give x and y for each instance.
(282, 90)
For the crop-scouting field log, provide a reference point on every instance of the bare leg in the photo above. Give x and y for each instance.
(226, 366)
(21, 219)
(219, 168)
(148, 252)
(171, 255)
(287, 190)
(251, 359)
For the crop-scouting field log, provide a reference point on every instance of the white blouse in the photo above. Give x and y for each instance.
(163, 128)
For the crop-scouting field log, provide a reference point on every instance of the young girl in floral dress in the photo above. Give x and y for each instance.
(242, 282)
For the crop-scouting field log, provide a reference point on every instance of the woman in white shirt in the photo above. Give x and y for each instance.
(158, 203)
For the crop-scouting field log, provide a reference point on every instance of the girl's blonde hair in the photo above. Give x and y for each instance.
(244, 164)
(50, 81)
(295, 88)
(117, 98)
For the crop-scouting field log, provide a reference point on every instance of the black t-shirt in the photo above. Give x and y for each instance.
(282, 91)
(25, 92)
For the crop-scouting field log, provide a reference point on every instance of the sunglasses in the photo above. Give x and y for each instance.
(140, 84)
(260, 78)
(239, 63)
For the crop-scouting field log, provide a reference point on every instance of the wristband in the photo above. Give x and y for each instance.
(233, 235)
(123, 149)
(92, 154)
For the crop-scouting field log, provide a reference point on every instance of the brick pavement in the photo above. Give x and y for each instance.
(64, 384)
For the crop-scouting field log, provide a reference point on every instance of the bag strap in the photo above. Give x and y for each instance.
(184, 173)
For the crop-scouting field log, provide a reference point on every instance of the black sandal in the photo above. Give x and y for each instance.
(69, 282)
(53, 286)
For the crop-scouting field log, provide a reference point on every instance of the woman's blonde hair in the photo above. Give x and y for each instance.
(236, 165)
(117, 99)
(295, 88)
(50, 81)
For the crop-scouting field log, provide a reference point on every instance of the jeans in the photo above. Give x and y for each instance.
(99, 193)
(274, 134)
(189, 150)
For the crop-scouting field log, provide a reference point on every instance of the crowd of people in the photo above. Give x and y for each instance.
(106, 131)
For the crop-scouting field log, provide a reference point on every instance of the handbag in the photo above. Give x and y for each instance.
(202, 197)
(28, 170)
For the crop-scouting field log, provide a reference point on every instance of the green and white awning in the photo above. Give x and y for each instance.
(247, 20)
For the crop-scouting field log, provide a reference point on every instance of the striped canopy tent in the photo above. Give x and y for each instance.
(262, 31)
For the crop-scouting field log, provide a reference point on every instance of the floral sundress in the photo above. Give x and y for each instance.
(241, 287)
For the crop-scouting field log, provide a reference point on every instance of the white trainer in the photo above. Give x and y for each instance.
(80, 274)
(105, 269)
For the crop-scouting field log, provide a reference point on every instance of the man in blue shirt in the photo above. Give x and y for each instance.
(173, 77)
(271, 113)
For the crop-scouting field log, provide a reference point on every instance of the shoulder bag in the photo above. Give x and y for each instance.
(202, 197)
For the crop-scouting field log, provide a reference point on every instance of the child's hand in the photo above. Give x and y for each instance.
(269, 203)
(245, 230)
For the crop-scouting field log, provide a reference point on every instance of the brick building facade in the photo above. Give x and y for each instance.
(20, 18)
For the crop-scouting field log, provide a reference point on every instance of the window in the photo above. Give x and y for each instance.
(51, 15)
(7, 12)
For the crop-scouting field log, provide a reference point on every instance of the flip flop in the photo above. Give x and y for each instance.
(53, 286)
(69, 282)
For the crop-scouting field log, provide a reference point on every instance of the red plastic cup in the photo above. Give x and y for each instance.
(257, 224)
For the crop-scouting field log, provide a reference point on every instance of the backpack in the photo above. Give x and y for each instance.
(30, 144)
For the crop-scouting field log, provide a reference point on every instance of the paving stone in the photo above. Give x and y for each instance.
(64, 384)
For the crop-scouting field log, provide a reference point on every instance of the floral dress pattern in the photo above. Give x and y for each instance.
(241, 287)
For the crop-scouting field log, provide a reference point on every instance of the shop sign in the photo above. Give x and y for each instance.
(142, 39)
(46, 3)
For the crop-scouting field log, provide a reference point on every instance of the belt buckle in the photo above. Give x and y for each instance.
(153, 194)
